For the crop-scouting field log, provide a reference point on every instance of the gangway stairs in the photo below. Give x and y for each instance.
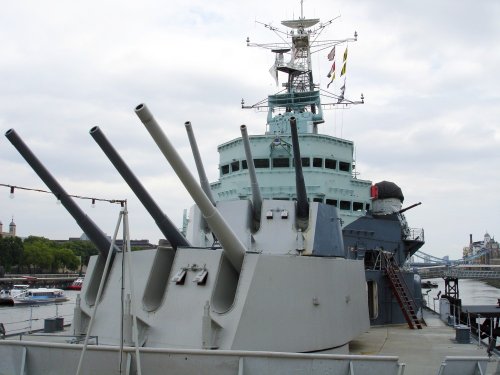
(401, 291)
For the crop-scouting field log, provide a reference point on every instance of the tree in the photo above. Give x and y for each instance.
(38, 253)
(64, 258)
(82, 249)
(11, 252)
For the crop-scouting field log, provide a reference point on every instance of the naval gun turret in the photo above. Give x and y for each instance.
(387, 198)
(278, 287)
(248, 292)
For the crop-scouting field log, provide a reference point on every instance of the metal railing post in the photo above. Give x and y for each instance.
(478, 330)
(491, 331)
(31, 318)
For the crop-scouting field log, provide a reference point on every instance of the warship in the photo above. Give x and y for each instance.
(288, 263)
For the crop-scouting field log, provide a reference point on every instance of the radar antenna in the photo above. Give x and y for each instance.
(293, 58)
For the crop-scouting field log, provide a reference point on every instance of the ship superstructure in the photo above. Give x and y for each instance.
(373, 224)
(328, 162)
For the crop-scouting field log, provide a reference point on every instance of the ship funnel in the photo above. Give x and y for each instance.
(162, 221)
(92, 231)
(199, 163)
(233, 248)
(256, 197)
(302, 203)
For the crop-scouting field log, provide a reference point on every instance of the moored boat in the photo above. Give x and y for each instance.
(5, 298)
(7, 295)
(39, 295)
(428, 284)
(77, 284)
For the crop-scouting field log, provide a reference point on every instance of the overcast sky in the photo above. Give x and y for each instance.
(428, 71)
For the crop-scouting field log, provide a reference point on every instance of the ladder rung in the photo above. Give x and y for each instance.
(402, 294)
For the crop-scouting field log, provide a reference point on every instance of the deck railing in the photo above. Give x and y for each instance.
(415, 234)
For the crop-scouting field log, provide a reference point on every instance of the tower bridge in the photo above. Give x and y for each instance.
(461, 271)
(434, 267)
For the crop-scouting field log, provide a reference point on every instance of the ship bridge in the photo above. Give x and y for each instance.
(294, 104)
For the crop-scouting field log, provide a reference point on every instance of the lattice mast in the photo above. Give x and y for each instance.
(300, 95)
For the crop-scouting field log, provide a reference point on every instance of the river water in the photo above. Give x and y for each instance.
(17, 319)
(472, 292)
(22, 318)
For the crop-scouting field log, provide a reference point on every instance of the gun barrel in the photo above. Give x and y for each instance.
(256, 197)
(168, 229)
(409, 207)
(92, 231)
(199, 163)
(302, 203)
(232, 246)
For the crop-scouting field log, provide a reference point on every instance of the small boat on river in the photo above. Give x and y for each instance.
(77, 284)
(428, 284)
(39, 295)
(7, 295)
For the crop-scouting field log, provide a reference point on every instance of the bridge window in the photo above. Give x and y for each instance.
(306, 162)
(295, 199)
(330, 163)
(331, 202)
(235, 166)
(224, 169)
(318, 162)
(344, 166)
(261, 163)
(357, 206)
(345, 205)
(281, 162)
(244, 164)
(320, 200)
